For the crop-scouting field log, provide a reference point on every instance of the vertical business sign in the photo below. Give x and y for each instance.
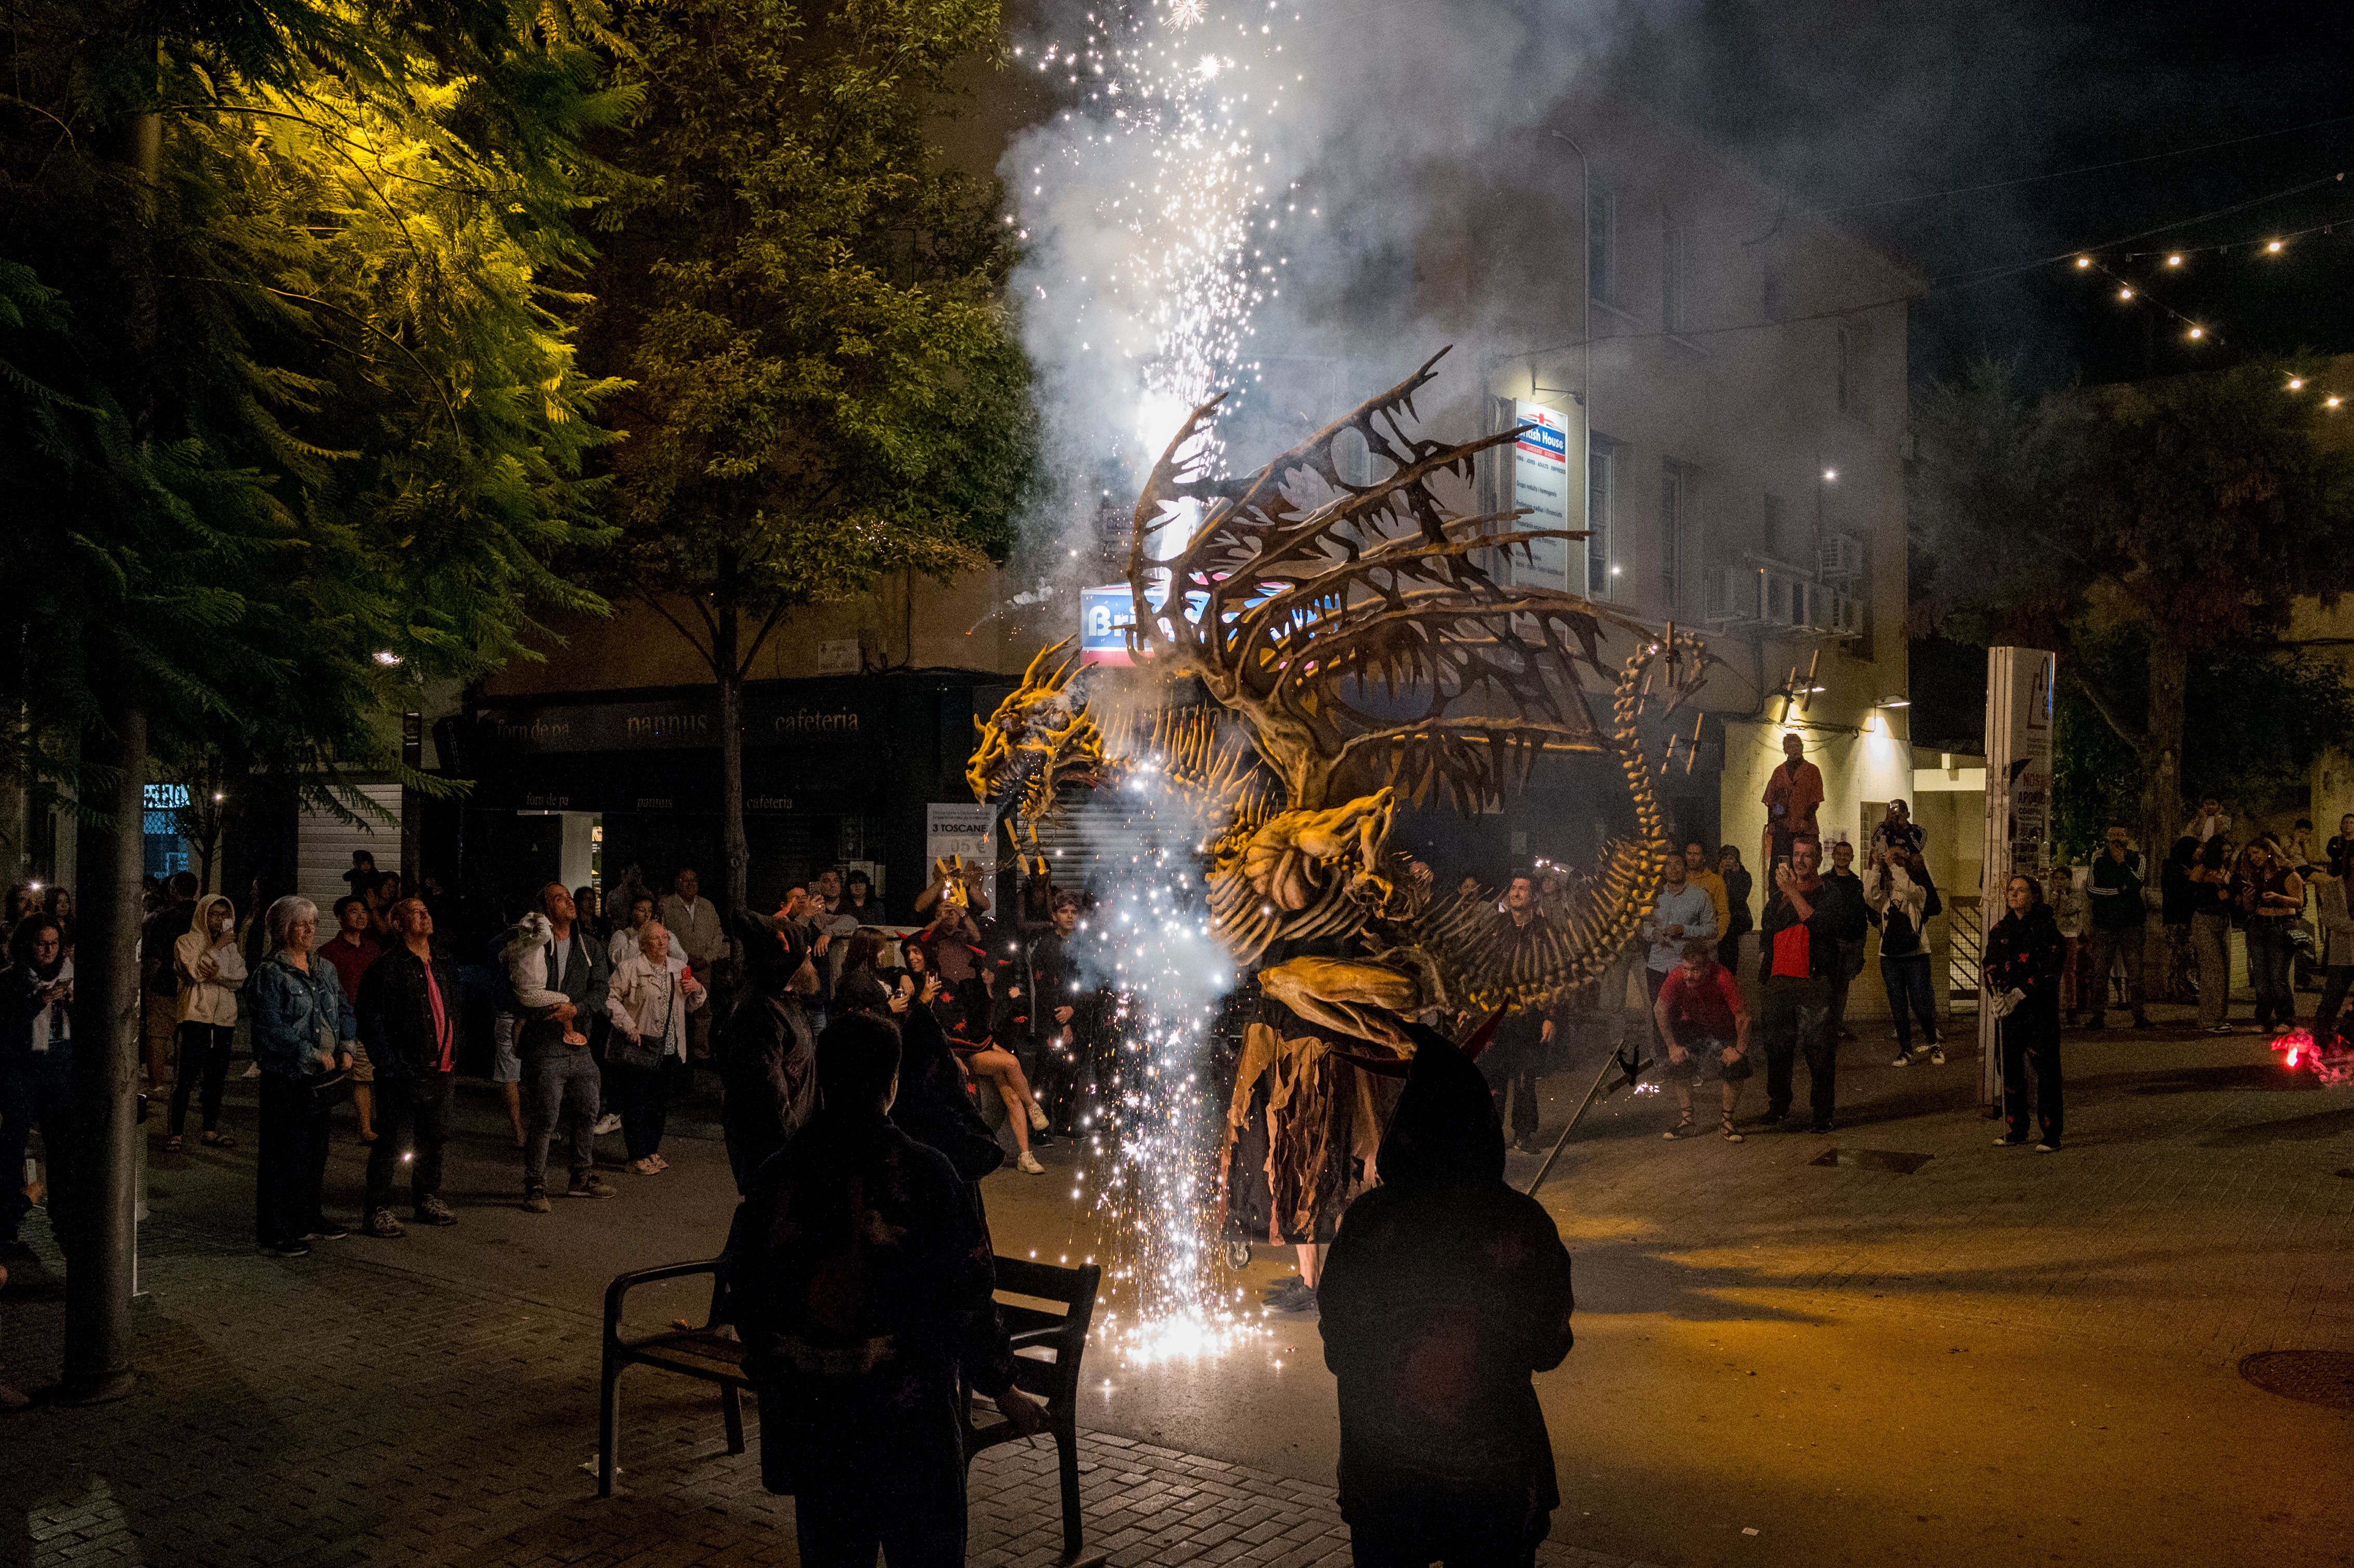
(2017, 805)
(1540, 489)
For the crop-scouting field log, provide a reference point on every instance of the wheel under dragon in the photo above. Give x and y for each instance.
(1357, 651)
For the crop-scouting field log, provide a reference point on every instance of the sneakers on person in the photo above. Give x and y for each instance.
(382, 1226)
(645, 1167)
(1726, 1130)
(592, 1186)
(1903, 1058)
(325, 1230)
(2047, 1148)
(1683, 1128)
(535, 1201)
(1037, 1119)
(608, 1123)
(2219, 1029)
(288, 1249)
(2010, 1143)
(1936, 1055)
(434, 1212)
(1029, 1162)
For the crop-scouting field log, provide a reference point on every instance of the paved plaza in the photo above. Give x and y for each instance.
(1778, 1361)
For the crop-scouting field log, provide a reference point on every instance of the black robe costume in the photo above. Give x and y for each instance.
(1445, 1289)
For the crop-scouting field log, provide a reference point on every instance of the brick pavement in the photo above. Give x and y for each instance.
(342, 1411)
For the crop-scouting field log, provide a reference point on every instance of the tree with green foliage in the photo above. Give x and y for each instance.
(294, 415)
(825, 380)
(2177, 521)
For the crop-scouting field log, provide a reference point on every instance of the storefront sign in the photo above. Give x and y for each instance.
(961, 827)
(671, 723)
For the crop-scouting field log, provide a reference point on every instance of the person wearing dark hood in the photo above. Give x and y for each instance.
(769, 1057)
(1447, 1289)
(2021, 975)
(36, 1064)
(863, 1284)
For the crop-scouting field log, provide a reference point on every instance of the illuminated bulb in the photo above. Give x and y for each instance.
(2272, 246)
(2174, 260)
(1830, 475)
(2197, 333)
(2082, 262)
(2330, 402)
(2125, 293)
(2296, 383)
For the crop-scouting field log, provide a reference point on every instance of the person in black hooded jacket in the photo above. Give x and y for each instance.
(1444, 1291)
(768, 1071)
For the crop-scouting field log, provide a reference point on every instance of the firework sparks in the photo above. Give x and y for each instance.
(1154, 1117)
(1158, 160)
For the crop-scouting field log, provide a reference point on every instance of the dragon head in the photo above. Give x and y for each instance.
(1039, 739)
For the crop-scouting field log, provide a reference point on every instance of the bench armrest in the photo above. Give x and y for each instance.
(622, 1284)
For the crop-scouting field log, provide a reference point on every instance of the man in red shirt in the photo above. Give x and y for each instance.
(1792, 793)
(1798, 955)
(1705, 1026)
(353, 951)
(408, 1014)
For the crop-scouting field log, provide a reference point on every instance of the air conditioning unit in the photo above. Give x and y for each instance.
(1841, 558)
(1844, 614)
(1736, 595)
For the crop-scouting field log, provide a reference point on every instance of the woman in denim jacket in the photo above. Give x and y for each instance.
(303, 1029)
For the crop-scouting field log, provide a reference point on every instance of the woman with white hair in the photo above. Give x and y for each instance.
(303, 1030)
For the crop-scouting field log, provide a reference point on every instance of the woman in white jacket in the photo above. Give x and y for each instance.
(648, 1001)
(211, 968)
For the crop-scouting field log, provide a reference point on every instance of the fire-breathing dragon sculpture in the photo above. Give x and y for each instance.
(1359, 638)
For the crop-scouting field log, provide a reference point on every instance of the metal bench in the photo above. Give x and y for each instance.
(713, 1354)
(1055, 1381)
(710, 1354)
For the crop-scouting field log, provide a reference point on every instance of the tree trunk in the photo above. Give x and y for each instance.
(94, 1205)
(725, 663)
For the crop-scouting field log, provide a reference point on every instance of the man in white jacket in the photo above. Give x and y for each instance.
(649, 1000)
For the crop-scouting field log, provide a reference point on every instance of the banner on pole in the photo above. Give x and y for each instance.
(2017, 805)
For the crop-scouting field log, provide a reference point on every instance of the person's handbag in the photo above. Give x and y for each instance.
(630, 1050)
(328, 1090)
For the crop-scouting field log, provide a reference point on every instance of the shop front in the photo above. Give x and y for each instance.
(586, 787)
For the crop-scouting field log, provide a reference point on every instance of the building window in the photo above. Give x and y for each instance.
(1602, 244)
(1675, 517)
(1601, 512)
(1675, 279)
(1774, 525)
(1854, 368)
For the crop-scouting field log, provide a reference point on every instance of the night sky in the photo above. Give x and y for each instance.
(1877, 107)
